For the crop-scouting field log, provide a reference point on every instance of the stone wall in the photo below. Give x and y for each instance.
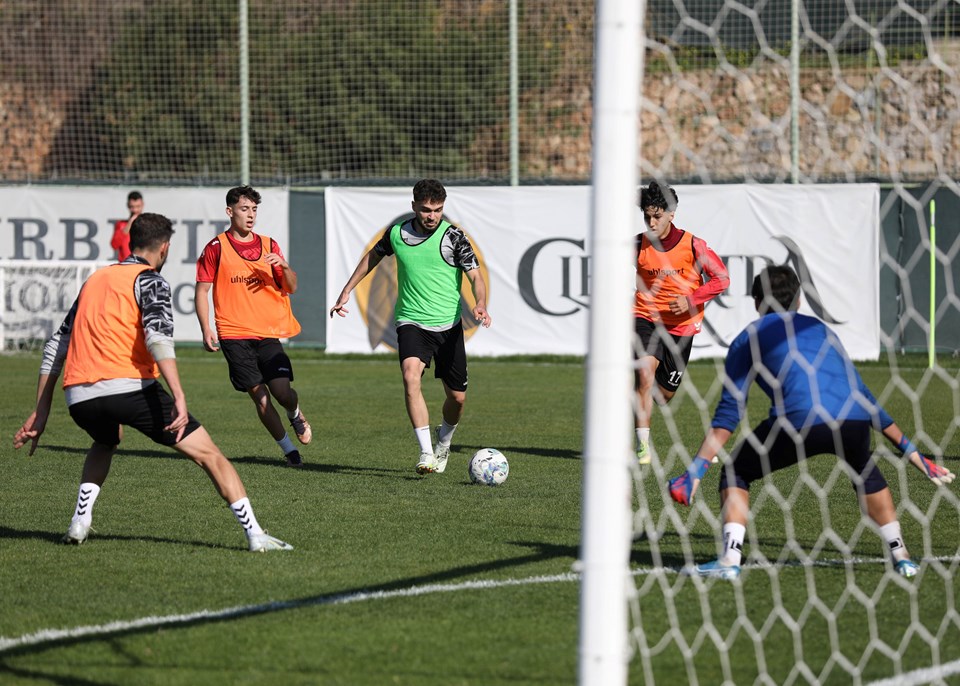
(720, 127)
(696, 126)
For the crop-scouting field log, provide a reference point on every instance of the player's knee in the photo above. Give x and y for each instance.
(664, 395)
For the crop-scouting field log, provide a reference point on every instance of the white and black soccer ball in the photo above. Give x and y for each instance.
(488, 466)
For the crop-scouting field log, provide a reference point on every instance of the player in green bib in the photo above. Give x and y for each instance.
(432, 257)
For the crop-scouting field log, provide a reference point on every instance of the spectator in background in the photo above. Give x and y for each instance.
(121, 230)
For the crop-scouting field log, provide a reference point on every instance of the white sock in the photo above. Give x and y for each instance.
(733, 535)
(286, 445)
(446, 433)
(891, 534)
(423, 438)
(244, 513)
(86, 497)
(643, 435)
(292, 414)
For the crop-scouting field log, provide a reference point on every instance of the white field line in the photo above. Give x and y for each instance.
(45, 636)
(53, 635)
(921, 676)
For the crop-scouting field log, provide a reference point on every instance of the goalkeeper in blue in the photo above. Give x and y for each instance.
(819, 404)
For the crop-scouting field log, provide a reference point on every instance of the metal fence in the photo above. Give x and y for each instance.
(305, 92)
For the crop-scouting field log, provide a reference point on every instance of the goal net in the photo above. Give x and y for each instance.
(36, 295)
(831, 92)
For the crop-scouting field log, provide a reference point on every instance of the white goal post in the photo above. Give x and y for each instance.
(35, 296)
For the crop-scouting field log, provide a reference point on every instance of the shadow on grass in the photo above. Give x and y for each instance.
(55, 537)
(407, 587)
(467, 450)
(308, 466)
(120, 453)
(327, 467)
(42, 677)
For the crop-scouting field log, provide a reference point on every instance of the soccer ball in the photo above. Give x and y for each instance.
(488, 466)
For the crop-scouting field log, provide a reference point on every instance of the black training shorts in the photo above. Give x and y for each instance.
(446, 347)
(673, 352)
(147, 410)
(255, 361)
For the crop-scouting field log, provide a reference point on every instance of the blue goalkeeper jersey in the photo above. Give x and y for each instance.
(801, 365)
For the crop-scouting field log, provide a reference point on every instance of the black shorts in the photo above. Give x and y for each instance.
(147, 410)
(254, 361)
(673, 352)
(773, 447)
(446, 347)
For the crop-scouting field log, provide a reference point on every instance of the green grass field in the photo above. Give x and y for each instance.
(398, 579)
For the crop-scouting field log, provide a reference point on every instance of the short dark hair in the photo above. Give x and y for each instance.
(150, 231)
(653, 196)
(134, 195)
(775, 289)
(429, 189)
(234, 195)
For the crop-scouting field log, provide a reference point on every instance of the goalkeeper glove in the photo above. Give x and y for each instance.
(684, 486)
(941, 476)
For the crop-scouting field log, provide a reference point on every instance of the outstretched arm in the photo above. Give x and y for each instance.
(684, 487)
(54, 353)
(366, 265)
(936, 473)
(33, 427)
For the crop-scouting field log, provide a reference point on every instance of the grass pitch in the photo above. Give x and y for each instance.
(409, 580)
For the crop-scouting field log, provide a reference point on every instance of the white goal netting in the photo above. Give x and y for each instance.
(753, 93)
(870, 93)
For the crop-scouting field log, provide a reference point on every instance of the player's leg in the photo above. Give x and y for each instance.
(415, 348)
(149, 411)
(648, 350)
(267, 413)
(673, 363)
(277, 371)
(243, 362)
(92, 416)
(875, 498)
(749, 462)
(199, 447)
(451, 361)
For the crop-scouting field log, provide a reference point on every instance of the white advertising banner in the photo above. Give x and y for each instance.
(534, 242)
(49, 223)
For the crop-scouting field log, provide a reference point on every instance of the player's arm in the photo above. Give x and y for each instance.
(718, 279)
(283, 273)
(156, 314)
(936, 473)
(207, 265)
(168, 369)
(479, 286)
(465, 258)
(367, 264)
(739, 371)
(54, 353)
(201, 304)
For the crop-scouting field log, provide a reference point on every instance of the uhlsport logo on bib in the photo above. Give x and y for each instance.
(377, 294)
